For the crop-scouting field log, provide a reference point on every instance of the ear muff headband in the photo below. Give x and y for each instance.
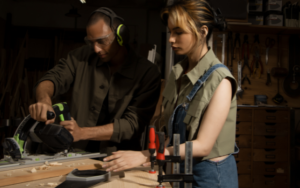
(119, 38)
(108, 12)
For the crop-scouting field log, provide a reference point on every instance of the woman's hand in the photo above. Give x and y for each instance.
(122, 160)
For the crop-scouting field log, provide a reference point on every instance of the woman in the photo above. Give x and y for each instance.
(199, 99)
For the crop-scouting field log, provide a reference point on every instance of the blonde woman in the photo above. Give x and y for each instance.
(199, 100)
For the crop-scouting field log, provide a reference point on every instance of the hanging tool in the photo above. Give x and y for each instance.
(237, 43)
(245, 55)
(269, 44)
(278, 98)
(230, 49)
(240, 91)
(258, 64)
(255, 43)
(268, 78)
(246, 78)
(152, 147)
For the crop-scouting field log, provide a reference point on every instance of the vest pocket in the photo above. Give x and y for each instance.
(194, 111)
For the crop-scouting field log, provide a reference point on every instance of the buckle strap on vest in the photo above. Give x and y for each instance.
(201, 81)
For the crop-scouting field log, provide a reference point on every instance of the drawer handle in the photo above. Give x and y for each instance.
(271, 117)
(270, 130)
(270, 156)
(270, 143)
(270, 170)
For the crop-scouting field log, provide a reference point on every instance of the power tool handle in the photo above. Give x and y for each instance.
(50, 115)
(62, 111)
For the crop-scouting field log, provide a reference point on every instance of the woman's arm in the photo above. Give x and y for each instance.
(212, 123)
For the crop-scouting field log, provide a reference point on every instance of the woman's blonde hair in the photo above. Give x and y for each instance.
(190, 15)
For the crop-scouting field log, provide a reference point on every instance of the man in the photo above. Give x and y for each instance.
(114, 91)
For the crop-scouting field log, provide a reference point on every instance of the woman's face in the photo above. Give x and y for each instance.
(181, 41)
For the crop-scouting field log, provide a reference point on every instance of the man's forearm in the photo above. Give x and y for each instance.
(100, 133)
(44, 92)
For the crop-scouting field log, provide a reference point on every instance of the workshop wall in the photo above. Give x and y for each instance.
(2, 31)
(52, 15)
(5, 7)
(258, 85)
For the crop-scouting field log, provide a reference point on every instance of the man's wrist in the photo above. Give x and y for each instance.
(83, 133)
(146, 153)
(45, 100)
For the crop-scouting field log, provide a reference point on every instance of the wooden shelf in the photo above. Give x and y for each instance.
(263, 29)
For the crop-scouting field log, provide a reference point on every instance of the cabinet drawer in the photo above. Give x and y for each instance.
(244, 167)
(270, 129)
(243, 155)
(270, 168)
(270, 142)
(270, 155)
(244, 115)
(272, 116)
(243, 141)
(244, 181)
(266, 181)
(243, 127)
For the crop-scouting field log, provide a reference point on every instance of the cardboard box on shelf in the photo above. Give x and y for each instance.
(273, 5)
(274, 20)
(255, 5)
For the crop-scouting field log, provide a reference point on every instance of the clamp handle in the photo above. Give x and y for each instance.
(160, 146)
(151, 143)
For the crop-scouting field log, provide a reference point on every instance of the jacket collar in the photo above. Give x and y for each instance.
(128, 67)
(202, 66)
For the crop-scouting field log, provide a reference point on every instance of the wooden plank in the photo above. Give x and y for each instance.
(134, 178)
(24, 175)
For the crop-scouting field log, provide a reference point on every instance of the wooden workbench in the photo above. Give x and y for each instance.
(23, 178)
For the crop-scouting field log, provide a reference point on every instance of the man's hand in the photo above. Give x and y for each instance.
(122, 160)
(38, 111)
(73, 128)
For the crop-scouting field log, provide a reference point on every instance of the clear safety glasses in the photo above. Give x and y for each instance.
(101, 41)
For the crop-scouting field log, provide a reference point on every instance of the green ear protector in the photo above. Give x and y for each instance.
(121, 31)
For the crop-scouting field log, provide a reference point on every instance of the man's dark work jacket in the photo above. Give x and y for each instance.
(132, 91)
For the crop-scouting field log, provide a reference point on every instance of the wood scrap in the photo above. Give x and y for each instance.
(33, 170)
(55, 164)
(44, 167)
(52, 184)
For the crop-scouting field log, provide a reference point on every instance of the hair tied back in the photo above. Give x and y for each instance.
(219, 19)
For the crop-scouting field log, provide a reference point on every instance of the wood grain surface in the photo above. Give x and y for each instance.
(134, 178)
(25, 175)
